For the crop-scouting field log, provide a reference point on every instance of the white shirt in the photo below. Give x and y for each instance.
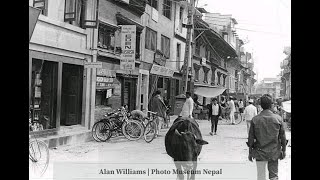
(232, 107)
(249, 112)
(240, 104)
(187, 108)
(215, 109)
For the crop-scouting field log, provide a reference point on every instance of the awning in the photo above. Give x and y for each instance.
(209, 91)
(287, 106)
(33, 18)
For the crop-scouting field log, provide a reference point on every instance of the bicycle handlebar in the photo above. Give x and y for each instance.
(151, 112)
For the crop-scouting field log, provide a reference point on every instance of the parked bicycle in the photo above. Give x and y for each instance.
(38, 154)
(117, 123)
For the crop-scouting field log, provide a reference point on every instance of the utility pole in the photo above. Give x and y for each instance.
(185, 68)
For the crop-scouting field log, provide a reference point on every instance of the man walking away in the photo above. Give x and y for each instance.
(267, 140)
(157, 105)
(249, 112)
(214, 114)
(232, 110)
(187, 107)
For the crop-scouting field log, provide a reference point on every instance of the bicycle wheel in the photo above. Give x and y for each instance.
(132, 130)
(237, 117)
(102, 131)
(93, 132)
(150, 131)
(38, 158)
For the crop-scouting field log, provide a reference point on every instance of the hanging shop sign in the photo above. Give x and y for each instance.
(161, 70)
(105, 79)
(159, 58)
(128, 47)
(93, 65)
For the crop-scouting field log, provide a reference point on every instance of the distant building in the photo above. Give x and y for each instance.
(270, 86)
(285, 74)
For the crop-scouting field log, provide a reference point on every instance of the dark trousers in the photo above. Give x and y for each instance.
(214, 123)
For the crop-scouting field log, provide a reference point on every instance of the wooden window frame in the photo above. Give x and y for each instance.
(167, 8)
(153, 3)
(84, 23)
(149, 32)
(167, 40)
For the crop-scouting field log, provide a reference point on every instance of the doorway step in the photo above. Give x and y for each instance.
(67, 135)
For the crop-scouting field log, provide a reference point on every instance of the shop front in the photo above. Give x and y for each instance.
(56, 93)
(161, 78)
(114, 87)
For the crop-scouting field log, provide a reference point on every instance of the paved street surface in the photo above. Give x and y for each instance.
(228, 146)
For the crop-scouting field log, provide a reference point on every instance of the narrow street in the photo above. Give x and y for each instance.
(228, 146)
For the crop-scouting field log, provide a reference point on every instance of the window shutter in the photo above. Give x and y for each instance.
(70, 10)
(40, 4)
(93, 22)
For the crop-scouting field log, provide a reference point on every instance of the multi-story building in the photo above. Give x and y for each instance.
(158, 55)
(240, 78)
(113, 85)
(285, 74)
(59, 83)
(211, 52)
(270, 86)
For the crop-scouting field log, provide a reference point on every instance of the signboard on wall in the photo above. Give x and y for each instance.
(105, 79)
(161, 70)
(93, 65)
(128, 46)
(159, 58)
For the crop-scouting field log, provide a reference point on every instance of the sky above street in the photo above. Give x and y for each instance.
(266, 24)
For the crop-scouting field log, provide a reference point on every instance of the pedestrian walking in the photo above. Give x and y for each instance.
(232, 110)
(214, 114)
(223, 107)
(267, 140)
(258, 106)
(157, 105)
(187, 107)
(249, 112)
(241, 106)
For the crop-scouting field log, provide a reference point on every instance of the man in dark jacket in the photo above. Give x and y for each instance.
(267, 140)
(214, 114)
(157, 105)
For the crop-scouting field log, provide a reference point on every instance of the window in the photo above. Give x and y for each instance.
(167, 8)
(151, 39)
(196, 75)
(225, 36)
(153, 3)
(160, 82)
(106, 37)
(42, 5)
(75, 13)
(197, 48)
(207, 54)
(44, 84)
(102, 98)
(165, 46)
(181, 19)
(178, 56)
(205, 76)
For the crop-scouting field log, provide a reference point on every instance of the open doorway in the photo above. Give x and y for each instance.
(71, 94)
